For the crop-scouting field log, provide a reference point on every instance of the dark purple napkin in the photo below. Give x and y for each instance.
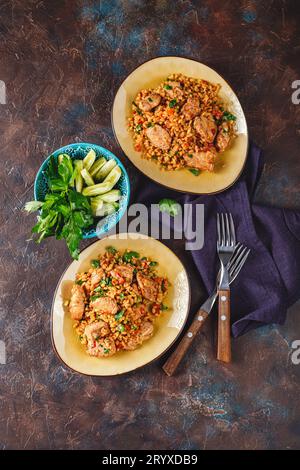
(269, 282)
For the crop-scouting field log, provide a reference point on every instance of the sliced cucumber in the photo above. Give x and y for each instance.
(105, 170)
(78, 178)
(87, 177)
(97, 165)
(107, 209)
(89, 159)
(96, 206)
(114, 176)
(112, 196)
(97, 189)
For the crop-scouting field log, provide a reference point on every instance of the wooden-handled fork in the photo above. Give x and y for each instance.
(225, 248)
(234, 266)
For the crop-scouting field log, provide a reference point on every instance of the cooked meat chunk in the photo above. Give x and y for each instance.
(138, 312)
(76, 306)
(173, 89)
(150, 102)
(191, 108)
(102, 348)
(224, 137)
(96, 276)
(159, 137)
(145, 333)
(202, 160)
(122, 273)
(206, 127)
(148, 287)
(105, 305)
(96, 330)
(146, 330)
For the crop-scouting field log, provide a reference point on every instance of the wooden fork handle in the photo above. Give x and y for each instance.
(224, 342)
(177, 355)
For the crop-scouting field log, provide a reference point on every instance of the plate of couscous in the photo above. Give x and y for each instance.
(182, 125)
(120, 306)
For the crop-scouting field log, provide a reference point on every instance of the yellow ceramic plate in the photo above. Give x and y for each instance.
(149, 75)
(167, 327)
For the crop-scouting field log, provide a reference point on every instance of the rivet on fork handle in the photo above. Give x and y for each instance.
(224, 342)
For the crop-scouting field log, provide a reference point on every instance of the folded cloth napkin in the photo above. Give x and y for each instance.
(269, 282)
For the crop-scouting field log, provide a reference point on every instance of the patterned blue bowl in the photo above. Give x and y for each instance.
(79, 151)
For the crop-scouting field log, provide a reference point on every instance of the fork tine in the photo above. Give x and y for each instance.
(223, 242)
(227, 229)
(218, 230)
(232, 229)
(240, 264)
(237, 249)
(237, 259)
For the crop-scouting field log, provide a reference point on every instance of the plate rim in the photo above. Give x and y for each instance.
(156, 358)
(211, 193)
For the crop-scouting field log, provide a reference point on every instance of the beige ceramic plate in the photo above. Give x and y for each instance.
(150, 74)
(167, 327)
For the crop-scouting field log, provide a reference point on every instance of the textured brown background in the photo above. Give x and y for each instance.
(62, 62)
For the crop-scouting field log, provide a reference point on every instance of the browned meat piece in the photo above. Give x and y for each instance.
(146, 330)
(224, 137)
(122, 273)
(206, 127)
(76, 306)
(191, 108)
(96, 276)
(148, 287)
(173, 89)
(138, 312)
(105, 305)
(102, 348)
(159, 137)
(150, 102)
(145, 333)
(204, 160)
(96, 330)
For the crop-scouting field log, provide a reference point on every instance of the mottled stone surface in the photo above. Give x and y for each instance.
(62, 62)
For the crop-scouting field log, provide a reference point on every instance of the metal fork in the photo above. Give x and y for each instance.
(234, 266)
(225, 247)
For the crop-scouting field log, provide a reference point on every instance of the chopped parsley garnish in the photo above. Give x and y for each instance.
(95, 263)
(167, 87)
(164, 307)
(172, 103)
(170, 206)
(134, 327)
(95, 297)
(106, 351)
(228, 116)
(122, 296)
(79, 282)
(195, 171)
(150, 124)
(138, 128)
(129, 255)
(111, 250)
(150, 99)
(137, 108)
(99, 290)
(119, 315)
(153, 263)
(121, 327)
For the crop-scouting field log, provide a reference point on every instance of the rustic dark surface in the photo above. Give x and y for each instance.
(62, 62)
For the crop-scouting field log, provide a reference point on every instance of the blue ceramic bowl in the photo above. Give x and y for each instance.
(79, 151)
